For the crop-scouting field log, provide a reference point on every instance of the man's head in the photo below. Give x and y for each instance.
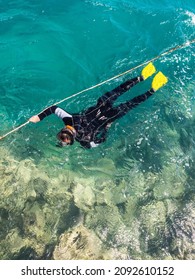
(67, 135)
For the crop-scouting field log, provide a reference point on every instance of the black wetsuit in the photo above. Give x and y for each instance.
(91, 126)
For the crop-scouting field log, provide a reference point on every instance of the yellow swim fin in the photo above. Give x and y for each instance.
(159, 80)
(148, 70)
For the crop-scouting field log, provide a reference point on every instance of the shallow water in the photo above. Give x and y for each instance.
(134, 194)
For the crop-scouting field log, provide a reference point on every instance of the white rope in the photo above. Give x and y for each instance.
(106, 81)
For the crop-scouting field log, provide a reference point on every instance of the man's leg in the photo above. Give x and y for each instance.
(122, 109)
(105, 102)
(119, 111)
(112, 95)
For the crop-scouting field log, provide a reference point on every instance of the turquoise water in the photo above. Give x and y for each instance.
(135, 192)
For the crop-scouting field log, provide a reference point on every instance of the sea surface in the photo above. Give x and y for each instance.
(133, 197)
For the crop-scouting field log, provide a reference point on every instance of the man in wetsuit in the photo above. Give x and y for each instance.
(90, 127)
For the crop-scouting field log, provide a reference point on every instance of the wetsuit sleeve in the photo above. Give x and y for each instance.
(47, 112)
(66, 117)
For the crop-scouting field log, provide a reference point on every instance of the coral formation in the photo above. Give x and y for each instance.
(138, 204)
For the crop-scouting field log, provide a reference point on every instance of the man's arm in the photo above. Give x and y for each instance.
(100, 137)
(66, 117)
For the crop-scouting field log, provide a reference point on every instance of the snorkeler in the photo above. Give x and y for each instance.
(90, 127)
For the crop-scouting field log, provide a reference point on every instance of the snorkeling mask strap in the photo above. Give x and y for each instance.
(71, 129)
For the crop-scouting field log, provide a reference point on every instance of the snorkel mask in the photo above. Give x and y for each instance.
(66, 136)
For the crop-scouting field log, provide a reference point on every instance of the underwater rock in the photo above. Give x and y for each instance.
(12, 244)
(170, 183)
(153, 218)
(153, 226)
(104, 167)
(107, 165)
(110, 193)
(181, 230)
(84, 196)
(33, 220)
(140, 184)
(24, 171)
(38, 208)
(129, 212)
(107, 223)
(15, 185)
(92, 191)
(105, 220)
(25, 253)
(172, 206)
(79, 243)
